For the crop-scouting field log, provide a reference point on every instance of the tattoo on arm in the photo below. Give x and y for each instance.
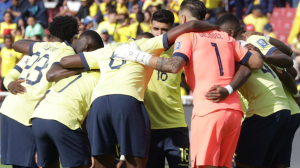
(170, 65)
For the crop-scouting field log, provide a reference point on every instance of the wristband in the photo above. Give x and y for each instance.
(296, 95)
(143, 58)
(267, 37)
(122, 157)
(229, 89)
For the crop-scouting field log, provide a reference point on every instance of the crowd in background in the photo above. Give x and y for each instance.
(119, 20)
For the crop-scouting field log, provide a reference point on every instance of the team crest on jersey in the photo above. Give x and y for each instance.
(10, 55)
(177, 46)
(262, 43)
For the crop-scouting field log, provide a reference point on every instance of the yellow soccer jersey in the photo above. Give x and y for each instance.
(263, 89)
(292, 103)
(43, 55)
(9, 59)
(15, 73)
(123, 77)
(163, 99)
(68, 101)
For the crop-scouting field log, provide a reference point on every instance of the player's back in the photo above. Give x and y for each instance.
(43, 55)
(68, 101)
(211, 62)
(122, 77)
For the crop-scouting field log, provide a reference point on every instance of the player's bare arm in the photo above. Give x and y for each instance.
(191, 26)
(277, 58)
(57, 72)
(218, 93)
(169, 65)
(72, 61)
(22, 46)
(287, 79)
(275, 42)
(292, 71)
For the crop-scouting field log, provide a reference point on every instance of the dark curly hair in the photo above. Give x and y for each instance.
(63, 27)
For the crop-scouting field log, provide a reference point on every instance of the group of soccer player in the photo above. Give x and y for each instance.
(81, 105)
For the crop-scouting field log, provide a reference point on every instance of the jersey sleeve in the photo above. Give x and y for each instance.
(90, 60)
(241, 54)
(183, 47)
(262, 44)
(33, 47)
(14, 74)
(154, 46)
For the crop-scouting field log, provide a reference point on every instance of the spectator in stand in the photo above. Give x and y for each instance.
(81, 29)
(209, 17)
(36, 38)
(107, 39)
(33, 28)
(296, 46)
(37, 9)
(135, 8)
(137, 27)
(240, 4)
(121, 7)
(146, 25)
(153, 9)
(4, 4)
(104, 4)
(212, 4)
(154, 3)
(131, 2)
(8, 58)
(174, 6)
(87, 12)
(70, 7)
(268, 29)
(250, 27)
(267, 7)
(220, 12)
(46, 38)
(110, 25)
(18, 34)
(257, 18)
(6, 27)
(122, 31)
(15, 10)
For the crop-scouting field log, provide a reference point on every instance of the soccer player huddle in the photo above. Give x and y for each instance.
(82, 105)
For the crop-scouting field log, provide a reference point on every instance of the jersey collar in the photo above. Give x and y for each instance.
(68, 44)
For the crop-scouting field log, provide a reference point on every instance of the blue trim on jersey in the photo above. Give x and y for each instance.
(165, 41)
(178, 54)
(246, 58)
(56, 63)
(271, 50)
(68, 44)
(18, 68)
(48, 91)
(84, 62)
(79, 76)
(31, 48)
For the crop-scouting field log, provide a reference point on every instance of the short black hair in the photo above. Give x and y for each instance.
(38, 37)
(8, 37)
(64, 27)
(140, 17)
(135, 3)
(163, 16)
(111, 10)
(31, 16)
(145, 35)
(95, 37)
(196, 7)
(227, 18)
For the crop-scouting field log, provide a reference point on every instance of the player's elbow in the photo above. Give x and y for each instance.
(289, 62)
(64, 62)
(50, 77)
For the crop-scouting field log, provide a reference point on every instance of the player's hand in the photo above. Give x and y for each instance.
(128, 52)
(93, 162)
(217, 94)
(252, 47)
(16, 87)
(249, 33)
(131, 52)
(121, 164)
